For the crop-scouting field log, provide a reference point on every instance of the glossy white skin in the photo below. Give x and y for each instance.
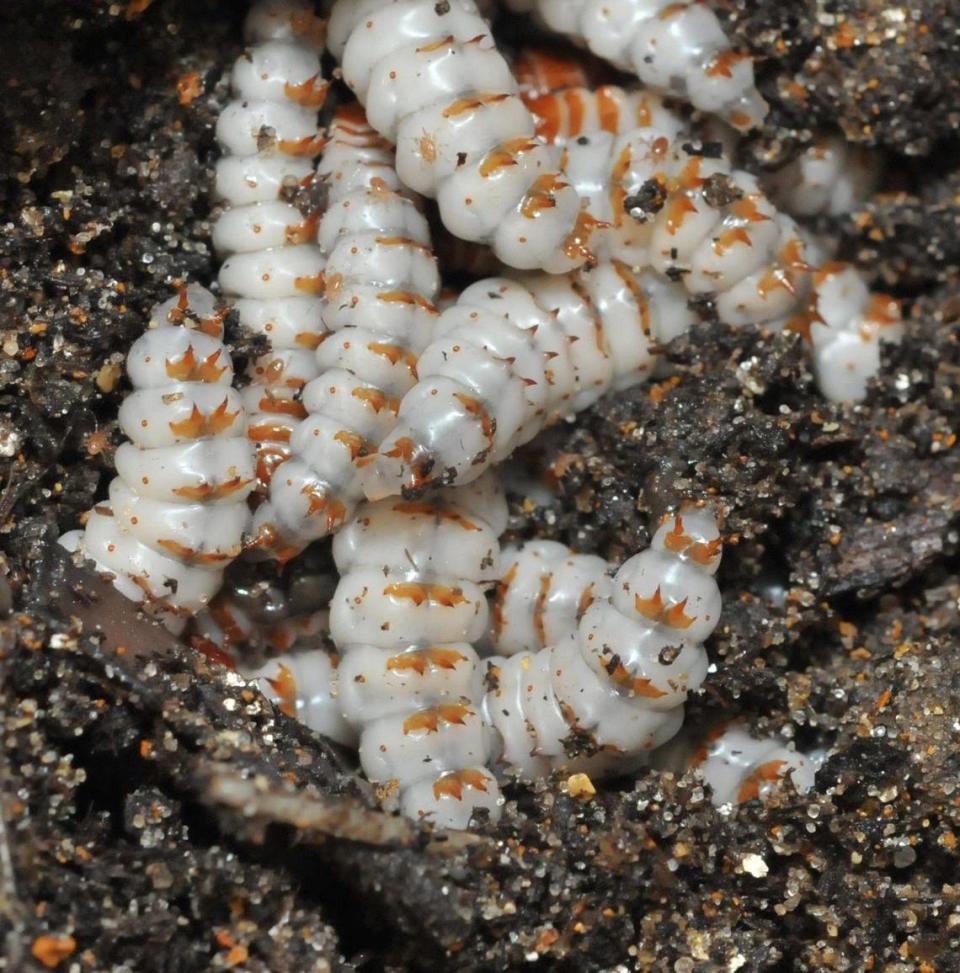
(513, 355)
(381, 281)
(177, 512)
(738, 766)
(434, 84)
(616, 684)
(847, 328)
(830, 176)
(542, 595)
(410, 680)
(272, 268)
(313, 677)
(675, 48)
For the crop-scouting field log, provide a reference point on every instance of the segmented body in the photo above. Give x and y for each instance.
(677, 48)
(381, 282)
(845, 325)
(544, 592)
(434, 84)
(613, 688)
(737, 766)
(274, 269)
(830, 177)
(410, 603)
(513, 355)
(177, 513)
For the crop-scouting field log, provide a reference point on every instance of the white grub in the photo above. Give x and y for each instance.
(434, 84)
(612, 688)
(273, 271)
(381, 280)
(410, 604)
(676, 48)
(514, 355)
(737, 766)
(177, 513)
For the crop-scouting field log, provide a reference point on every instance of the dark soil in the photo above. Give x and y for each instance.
(157, 815)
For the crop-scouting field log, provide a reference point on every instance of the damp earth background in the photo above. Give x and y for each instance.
(158, 815)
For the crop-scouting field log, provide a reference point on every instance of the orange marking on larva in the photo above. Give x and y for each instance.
(404, 448)
(419, 593)
(188, 369)
(477, 409)
(676, 617)
(406, 297)
(268, 432)
(202, 424)
(304, 232)
(671, 10)
(728, 238)
(420, 659)
(281, 406)
(332, 289)
(740, 120)
(504, 155)
(189, 554)
(453, 784)
(577, 243)
(541, 195)
(308, 146)
(309, 27)
(774, 279)
(402, 241)
(285, 686)
(233, 633)
(394, 354)
(574, 100)
(765, 773)
(454, 714)
(637, 686)
(705, 553)
(636, 292)
(792, 255)
(690, 176)
(357, 445)
(268, 539)
(540, 608)
(723, 62)
(309, 340)
(676, 211)
(311, 93)
(472, 102)
(352, 113)
(377, 399)
(547, 71)
(211, 491)
(423, 508)
(801, 324)
(586, 600)
(643, 115)
(599, 336)
(268, 459)
(436, 45)
(676, 539)
(883, 310)
(825, 271)
(503, 588)
(427, 145)
(608, 108)
(214, 652)
(546, 110)
(320, 502)
(703, 751)
(747, 209)
(311, 284)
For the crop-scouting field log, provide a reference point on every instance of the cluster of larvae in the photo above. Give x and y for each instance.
(378, 406)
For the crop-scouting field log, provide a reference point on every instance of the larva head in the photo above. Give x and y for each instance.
(283, 20)
(691, 534)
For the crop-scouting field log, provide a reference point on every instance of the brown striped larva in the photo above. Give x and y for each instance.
(410, 603)
(177, 511)
(273, 272)
(613, 688)
(677, 48)
(433, 83)
(380, 283)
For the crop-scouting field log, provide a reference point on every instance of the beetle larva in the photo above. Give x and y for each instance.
(410, 603)
(177, 511)
(434, 84)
